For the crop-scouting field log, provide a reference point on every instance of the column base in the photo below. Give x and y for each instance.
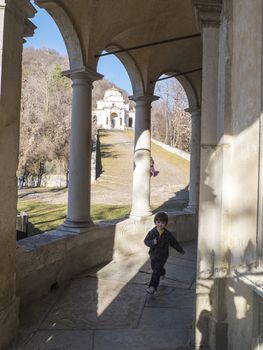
(76, 226)
(140, 214)
(8, 323)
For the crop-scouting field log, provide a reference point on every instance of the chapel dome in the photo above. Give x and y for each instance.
(113, 93)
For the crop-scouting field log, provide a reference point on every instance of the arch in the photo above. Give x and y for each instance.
(187, 86)
(67, 30)
(131, 67)
(190, 92)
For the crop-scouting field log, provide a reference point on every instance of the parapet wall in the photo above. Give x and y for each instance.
(46, 260)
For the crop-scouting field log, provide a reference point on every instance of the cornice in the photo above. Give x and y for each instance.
(144, 98)
(29, 28)
(83, 73)
(22, 10)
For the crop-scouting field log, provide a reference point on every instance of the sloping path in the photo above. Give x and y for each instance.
(114, 186)
(108, 309)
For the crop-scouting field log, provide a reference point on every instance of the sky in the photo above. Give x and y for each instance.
(47, 35)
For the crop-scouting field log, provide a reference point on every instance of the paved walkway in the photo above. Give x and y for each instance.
(108, 309)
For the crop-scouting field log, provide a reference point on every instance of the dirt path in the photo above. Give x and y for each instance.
(114, 186)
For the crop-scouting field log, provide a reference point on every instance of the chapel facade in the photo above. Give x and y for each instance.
(112, 112)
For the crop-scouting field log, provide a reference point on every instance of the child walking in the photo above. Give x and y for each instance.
(159, 239)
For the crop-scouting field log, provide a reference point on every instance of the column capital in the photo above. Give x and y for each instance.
(144, 99)
(83, 73)
(195, 112)
(208, 12)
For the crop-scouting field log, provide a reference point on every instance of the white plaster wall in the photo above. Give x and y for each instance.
(240, 309)
(246, 105)
(241, 240)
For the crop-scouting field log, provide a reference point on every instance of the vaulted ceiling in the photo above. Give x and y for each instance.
(91, 26)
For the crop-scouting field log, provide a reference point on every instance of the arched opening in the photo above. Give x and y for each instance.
(113, 120)
(171, 136)
(44, 129)
(173, 123)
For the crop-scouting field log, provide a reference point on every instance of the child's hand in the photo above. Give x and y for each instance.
(155, 241)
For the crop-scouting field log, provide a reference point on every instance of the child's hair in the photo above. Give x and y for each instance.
(161, 216)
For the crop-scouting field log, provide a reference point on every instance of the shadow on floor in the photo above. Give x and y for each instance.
(107, 308)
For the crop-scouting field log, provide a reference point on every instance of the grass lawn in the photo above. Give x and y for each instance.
(172, 158)
(45, 217)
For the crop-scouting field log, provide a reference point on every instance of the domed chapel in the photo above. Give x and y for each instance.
(112, 112)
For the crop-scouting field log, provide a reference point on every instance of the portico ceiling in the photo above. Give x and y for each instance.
(91, 26)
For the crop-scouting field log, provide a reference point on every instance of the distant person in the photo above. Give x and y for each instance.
(21, 181)
(159, 239)
(153, 172)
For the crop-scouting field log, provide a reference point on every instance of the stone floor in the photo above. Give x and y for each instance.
(108, 309)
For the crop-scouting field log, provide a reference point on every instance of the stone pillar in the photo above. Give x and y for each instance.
(78, 217)
(194, 161)
(14, 25)
(209, 239)
(210, 20)
(142, 153)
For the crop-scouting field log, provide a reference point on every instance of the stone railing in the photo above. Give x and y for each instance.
(171, 149)
(49, 259)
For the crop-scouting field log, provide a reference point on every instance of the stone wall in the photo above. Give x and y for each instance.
(174, 150)
(59, 180)
(230, 313)
(244, 309)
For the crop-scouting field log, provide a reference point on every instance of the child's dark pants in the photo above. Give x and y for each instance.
(158, 271)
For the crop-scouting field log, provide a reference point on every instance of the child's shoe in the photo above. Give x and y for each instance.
(150, 290)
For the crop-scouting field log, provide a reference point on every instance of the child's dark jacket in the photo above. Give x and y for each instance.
(160, 251)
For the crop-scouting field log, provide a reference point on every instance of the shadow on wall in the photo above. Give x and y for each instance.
(232, 320)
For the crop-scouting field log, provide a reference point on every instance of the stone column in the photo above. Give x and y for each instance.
(210, 20)
(209, 12)
(14, 25)
(142, 153)
(78, 217)
(195, 160)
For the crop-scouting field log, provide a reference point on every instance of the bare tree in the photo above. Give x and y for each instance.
(45, 111)
(45, 114)
(170, 123)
